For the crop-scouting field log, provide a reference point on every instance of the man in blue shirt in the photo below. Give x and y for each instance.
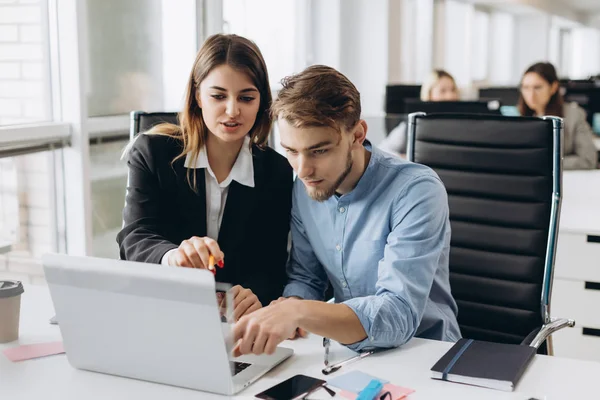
(375, 226)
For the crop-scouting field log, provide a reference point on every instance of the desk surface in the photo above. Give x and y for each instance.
(53, 377)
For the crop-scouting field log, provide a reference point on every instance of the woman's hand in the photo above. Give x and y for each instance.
(196, 252)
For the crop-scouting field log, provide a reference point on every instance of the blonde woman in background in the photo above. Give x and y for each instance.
(439, 86)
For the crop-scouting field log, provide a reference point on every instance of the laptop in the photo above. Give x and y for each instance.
(150, 322)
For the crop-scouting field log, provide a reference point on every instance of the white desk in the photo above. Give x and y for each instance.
(577, 262)
(53, 377)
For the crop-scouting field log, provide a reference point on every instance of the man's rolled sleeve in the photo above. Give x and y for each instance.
(417, 242)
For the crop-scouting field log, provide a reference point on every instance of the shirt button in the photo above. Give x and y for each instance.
(342, 209)
(338, 247)
(344, 284)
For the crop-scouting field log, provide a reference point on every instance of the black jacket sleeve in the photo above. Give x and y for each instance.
(142, 236)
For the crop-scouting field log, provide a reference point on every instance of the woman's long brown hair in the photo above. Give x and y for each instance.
(555, 104)
(239, 53)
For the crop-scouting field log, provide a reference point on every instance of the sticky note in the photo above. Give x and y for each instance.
(353, 381)
(397, 392)
(29, 351)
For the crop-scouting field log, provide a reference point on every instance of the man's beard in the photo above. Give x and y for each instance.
(324, 194)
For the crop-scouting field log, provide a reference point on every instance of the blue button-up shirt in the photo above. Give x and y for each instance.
(384, 247)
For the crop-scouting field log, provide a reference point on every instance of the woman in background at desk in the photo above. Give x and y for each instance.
(439, 86)
(540, 96)
(210, 191)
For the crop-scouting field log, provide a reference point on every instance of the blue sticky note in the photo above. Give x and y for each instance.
(354, 381)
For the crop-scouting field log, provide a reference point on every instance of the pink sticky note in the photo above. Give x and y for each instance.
(29, 351)
(397, 392)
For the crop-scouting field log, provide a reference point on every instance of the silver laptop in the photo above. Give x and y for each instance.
(150, 322)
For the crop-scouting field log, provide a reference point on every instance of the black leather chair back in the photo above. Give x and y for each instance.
(142, 121)
(498, 172)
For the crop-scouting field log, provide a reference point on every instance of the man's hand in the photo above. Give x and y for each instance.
(261, 331)
(299, 332)
(244, 302)
(195, 252)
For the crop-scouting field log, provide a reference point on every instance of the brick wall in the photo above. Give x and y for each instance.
(26, 205)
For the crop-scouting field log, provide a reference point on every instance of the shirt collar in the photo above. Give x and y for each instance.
(366, 180)
(243, 168)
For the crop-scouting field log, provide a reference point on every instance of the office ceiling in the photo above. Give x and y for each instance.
(579, 10)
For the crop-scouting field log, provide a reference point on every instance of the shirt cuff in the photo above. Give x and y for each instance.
(368, 342)
(299, 290)
(165, 258)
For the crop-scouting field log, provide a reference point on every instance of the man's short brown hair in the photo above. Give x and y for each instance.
(318, 96)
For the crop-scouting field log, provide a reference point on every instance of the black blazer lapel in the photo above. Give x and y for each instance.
(194, 203)
(234, 226)
(240, 205)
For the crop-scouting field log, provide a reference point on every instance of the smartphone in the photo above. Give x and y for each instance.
(295, 387)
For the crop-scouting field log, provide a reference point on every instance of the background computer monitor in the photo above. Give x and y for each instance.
(596, 123)
(462, 107)
(510, 111)
(395, 95)
(507, 95)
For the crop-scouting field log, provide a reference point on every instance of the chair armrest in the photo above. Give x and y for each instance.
(548, 329)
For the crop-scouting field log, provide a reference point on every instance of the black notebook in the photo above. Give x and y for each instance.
(487, 364)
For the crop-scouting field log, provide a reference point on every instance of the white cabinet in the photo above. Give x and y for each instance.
(576, 289)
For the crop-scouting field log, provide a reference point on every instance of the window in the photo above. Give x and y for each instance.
(139, 54)
(113, 55)
(141, 63)
(24, 63)
(276, 26)
(32, 213)
(108, 178)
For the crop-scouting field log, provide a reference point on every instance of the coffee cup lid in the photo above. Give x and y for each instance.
(10, 288)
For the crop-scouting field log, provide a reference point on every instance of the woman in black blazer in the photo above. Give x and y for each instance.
(210, 188)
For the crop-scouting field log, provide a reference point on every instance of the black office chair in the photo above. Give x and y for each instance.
(142, 121)
(503, 178)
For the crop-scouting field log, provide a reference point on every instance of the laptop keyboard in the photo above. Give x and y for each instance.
(239, 367)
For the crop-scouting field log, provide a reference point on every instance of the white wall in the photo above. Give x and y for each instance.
(532, 41)
(352, 36)
(586, 52)
(423, 38)
(325, 41)
(453, 54)
(502, 42)
(401, 47)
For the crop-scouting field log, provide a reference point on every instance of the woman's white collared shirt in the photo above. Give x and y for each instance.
(216, 193)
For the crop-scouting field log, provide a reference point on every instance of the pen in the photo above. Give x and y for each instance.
(326, 343)
(211, 264)
(334, 367)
